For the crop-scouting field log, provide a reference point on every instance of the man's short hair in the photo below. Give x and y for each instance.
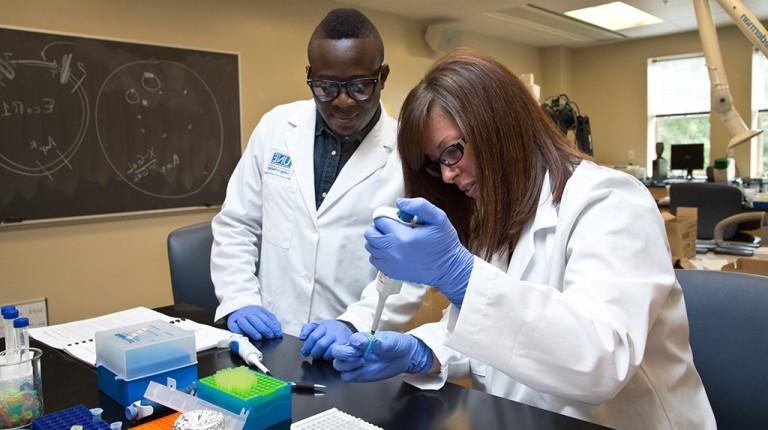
(347, 24)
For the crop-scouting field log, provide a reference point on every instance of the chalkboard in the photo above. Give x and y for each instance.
(90, 126)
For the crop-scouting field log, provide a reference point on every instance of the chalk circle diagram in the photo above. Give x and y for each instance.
(160, 128)
(36, 99)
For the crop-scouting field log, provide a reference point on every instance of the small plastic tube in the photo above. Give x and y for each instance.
(96, 415)
(141, 409)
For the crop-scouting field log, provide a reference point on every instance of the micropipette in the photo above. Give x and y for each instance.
(249, 353)
(385, 285)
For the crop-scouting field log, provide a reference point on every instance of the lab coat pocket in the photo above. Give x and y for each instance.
(279, 212)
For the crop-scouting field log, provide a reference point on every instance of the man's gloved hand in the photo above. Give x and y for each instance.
(320, 336)
(429, 254)
(255, 322)
(392, 354)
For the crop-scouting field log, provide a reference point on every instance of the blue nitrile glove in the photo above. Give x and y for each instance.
(393, 353)
(255, 322)
(320, 336)
(428, 254)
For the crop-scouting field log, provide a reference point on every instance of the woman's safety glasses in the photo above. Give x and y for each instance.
(448, 157)
(360, 89)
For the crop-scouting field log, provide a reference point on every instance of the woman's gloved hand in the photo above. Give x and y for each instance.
(320, 336)
(392, 354)
(428, 254)
(255, 322)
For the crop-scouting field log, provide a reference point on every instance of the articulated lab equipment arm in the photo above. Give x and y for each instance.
(722, 101)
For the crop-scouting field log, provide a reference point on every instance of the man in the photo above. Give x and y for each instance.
(288, 243)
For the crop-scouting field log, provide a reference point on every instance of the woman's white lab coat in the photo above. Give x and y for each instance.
(586, 320)
(273, 247)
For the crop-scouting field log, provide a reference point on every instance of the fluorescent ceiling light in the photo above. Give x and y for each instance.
(614, 16)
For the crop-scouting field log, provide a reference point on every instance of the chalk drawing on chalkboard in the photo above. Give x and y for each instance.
(42, 147)
(150, 82)
(132, 97)
(145, 112)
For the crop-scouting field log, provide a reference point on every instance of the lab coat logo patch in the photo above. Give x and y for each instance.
(280, 165)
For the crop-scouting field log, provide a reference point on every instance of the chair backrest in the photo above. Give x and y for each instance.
(728, 318)
(189, 258)
(715, 202)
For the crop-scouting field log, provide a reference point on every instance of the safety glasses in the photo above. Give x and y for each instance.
(449, 156)
(360, 89)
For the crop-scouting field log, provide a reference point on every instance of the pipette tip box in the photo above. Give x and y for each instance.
(267, 399)
(126, 392)
(127, 358)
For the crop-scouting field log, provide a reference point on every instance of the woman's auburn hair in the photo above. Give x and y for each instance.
(513, 140)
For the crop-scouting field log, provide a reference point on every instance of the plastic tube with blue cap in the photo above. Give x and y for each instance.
(10, 313)
(21, 333)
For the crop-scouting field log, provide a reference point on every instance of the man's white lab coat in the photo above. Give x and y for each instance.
(586, 320)
(273, 248)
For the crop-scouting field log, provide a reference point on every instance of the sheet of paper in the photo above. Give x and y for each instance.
(61, 335)
(85, 351)
(76, 337)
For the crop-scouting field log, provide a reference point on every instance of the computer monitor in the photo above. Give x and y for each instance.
(688, 157)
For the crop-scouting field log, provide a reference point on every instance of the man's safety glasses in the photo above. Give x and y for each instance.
(448, 157)
(360, 89)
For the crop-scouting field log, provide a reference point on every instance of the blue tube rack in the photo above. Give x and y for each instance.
(66, 418)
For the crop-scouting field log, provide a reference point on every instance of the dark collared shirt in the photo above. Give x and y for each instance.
(332, 152)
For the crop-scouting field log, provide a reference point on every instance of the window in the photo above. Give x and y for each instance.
(678, 105)
(760, 112)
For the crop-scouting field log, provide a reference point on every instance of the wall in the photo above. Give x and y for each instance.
(92, 268)
(609, 84)
(557, 76)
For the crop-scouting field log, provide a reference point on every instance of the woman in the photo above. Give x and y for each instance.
(563, 295)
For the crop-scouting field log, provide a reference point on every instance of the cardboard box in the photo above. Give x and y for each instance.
(681, 232)
(755, 266)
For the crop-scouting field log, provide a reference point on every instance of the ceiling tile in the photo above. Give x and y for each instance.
(472, 15)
